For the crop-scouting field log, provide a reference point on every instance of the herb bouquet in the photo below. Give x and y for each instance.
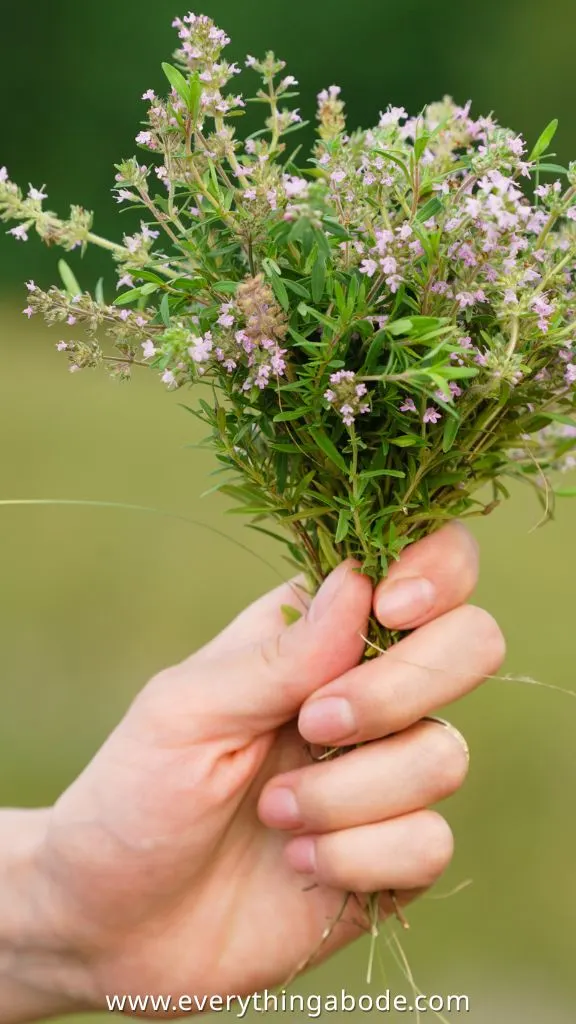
(382, 327)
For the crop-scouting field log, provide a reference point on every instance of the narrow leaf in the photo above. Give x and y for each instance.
(544, 140)
(70, 283)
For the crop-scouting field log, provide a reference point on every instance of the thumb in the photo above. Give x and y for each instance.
(258, 688)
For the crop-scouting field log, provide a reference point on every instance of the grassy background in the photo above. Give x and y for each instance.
(94, 601)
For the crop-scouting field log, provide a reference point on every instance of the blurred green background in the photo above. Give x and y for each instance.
(94, 601)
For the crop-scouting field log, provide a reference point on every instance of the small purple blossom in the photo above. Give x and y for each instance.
(408, 405)
(20, 232)
(368, 267)
(431, 415)
(29, 311)
(149, 350)
(168, 378)
(201, 348)
(37, 194)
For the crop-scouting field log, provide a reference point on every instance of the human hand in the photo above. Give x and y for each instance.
(182, 858)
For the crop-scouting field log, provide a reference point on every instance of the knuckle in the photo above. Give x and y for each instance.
(488, 637)
(335, 865)
(437, 845)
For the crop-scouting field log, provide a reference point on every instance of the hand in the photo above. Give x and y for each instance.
(183, 859)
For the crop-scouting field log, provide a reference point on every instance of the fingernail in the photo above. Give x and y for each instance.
(327, 593)
(279, 808)
(402, 601)
(327, 720)
(301, 855)
(451, 729)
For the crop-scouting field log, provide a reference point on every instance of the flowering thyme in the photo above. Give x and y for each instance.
(385, 326)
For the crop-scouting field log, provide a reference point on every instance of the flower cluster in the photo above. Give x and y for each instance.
(347, 395)
(385, 325)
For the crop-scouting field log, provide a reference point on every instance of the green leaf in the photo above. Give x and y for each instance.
(329, 448)
(406, 440)
(194, 94)
(126, 297)
(99, 292)
(305, 311)
(318, 279)
(403, 326)
(556, 417)
(177, 81)
(430, 209)
(450, 430)
(165, 310)
(374, 351)
(343, 526)
(544, 140)
(306, 513)
(566, 492)
(553, 168)
(368, 473)
(70, 283)
(420, 145)
(228, 287)
(279, 290)
(290, 614)
(297, 288)
(291, 414)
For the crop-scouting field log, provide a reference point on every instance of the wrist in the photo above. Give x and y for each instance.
(41, 973)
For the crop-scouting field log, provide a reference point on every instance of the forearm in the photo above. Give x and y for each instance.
(36, 965)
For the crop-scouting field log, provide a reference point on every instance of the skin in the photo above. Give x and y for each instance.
(201, 851)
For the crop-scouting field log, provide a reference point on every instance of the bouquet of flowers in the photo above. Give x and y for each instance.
(372, 332)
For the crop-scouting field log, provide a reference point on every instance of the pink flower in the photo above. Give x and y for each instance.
(388, 265)
(20, 232)
(149, 95)
(226, 319)
(61, 346)
(149, 350)
(37, 194)
(392, 116)
(3, 174)
(294, 187)
(147, 234)
(431, 415)
(408, 405)
(368, 267)
(125, 281)
(31, 286)
(201, 348)
(71, 320)
(168, 378)
(29, 311)
(347, 413)
(144, 139)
